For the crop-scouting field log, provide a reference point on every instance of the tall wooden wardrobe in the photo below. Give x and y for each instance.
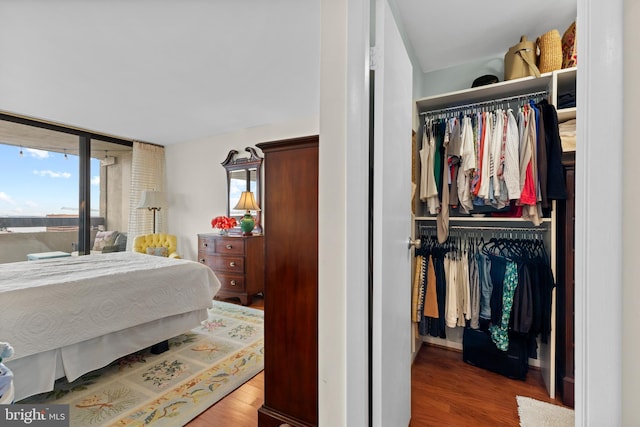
(291, 283)
(566, 285)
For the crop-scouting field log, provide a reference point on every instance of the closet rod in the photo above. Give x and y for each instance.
(495, 229)
(491, 101)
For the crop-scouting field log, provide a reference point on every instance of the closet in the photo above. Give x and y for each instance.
(496, 219)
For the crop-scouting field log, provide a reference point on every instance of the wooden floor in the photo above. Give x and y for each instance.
(445, 391)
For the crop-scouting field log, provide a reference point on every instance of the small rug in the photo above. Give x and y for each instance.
(169, 389)
(534, 413)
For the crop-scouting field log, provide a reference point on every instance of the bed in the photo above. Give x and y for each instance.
(69, 316)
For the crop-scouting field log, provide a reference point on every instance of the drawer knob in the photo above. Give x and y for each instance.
(205, 244)
(229, 246)
(202, 260)
(232, 264)
(233, 283)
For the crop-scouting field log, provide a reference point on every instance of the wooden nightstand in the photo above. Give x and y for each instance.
(237, 261)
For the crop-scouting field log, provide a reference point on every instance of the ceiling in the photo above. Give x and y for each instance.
(164, 71)
(448, 33)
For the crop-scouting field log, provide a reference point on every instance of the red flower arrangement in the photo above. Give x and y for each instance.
(223, 222)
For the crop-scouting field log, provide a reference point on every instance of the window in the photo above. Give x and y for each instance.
(46, 175)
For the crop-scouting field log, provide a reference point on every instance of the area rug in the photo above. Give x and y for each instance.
(534, 413)
(169, 389)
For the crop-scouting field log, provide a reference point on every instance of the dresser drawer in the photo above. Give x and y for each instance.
(228, 264)
(229, 246)
(206, 246)
(231, 282)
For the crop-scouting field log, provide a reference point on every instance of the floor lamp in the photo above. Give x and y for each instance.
(152, 200)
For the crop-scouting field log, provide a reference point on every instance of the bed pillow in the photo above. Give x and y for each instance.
(161, 251)
(104, 238)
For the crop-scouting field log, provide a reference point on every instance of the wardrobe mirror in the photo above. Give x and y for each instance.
(243, 174)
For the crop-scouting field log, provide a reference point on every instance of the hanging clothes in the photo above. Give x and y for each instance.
(501, 286)
(511, 170)
(464, 291)
(500, 330)
(556, 188)
(428, 188)
(485, 159)
(474, 287)
(498, 162)
(451, 302)
(431, 297)
(442, 220)
(467, 166)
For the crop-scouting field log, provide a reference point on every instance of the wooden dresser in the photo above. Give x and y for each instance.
(237, 261)
(291, 283)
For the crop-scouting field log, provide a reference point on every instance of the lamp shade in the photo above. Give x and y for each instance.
(151, 199)
(247, 202)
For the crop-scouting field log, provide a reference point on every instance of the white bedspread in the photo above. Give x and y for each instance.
(55, 303)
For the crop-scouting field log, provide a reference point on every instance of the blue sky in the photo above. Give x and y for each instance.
(42, 182)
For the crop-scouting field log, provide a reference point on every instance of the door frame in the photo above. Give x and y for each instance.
(342, 277)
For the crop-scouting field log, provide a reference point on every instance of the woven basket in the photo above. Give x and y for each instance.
(550, 45)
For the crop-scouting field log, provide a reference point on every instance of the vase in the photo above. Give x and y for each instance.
(223, 231)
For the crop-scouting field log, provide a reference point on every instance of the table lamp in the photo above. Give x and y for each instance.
(247, 202)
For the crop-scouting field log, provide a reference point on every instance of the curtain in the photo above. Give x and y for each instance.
(147, 173)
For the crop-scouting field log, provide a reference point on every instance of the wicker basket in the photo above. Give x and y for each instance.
(550, 45)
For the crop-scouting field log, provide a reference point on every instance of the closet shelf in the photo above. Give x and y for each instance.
(465, 219)
(507, 88)
(566, 78)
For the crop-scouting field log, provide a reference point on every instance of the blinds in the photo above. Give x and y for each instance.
(147, 173)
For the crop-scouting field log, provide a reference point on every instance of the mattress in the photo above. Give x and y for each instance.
(55, 307)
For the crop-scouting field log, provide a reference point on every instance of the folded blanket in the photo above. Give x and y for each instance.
(568, 135)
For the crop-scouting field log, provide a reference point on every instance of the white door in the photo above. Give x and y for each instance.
(391, 340)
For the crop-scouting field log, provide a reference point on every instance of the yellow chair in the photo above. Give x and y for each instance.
(156, 244)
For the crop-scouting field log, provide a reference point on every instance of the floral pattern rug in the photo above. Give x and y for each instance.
(169, 389)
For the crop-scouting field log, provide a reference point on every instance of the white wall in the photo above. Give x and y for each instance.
(197, 183)
(631, 222)
(332, 325)
(460, 77)
(343, 213)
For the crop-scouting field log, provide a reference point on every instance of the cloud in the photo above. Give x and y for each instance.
(31, 204)
(95, 180)
(38, 154)
(52, 174)
(4, 197)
